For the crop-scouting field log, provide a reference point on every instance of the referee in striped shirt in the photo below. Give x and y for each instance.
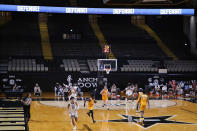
(26, 105)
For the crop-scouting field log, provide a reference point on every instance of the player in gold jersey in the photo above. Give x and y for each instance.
(105, 95)
(91, 102)
(143, 102)
(140, 93)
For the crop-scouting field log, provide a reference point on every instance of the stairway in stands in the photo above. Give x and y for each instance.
(11, 117)
(127, 40)
(83, 66)
(5, 17)
(95, 27)
(46, 46)
(140, 21)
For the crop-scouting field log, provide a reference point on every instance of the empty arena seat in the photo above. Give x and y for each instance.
(141, 66)
(92, 64)
(71, 65)
(181, 65)
(25, 65)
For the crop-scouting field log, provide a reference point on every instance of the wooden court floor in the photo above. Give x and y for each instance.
(181, 116)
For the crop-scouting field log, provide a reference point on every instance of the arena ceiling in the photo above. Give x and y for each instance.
(186, 3)
(106, 3)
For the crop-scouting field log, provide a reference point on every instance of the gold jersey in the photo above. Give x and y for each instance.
(105, 94)
(139, 95)
(144, 99)
(91, 104)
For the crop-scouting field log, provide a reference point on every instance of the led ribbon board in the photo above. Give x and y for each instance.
(78, 10)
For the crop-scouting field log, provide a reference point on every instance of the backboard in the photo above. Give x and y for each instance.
(107, 64)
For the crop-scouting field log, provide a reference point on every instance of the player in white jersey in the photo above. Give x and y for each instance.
(73, 93)
(129, 92)
(113, 92)
(73, 111)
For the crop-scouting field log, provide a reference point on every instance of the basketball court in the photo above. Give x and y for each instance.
(172, 115)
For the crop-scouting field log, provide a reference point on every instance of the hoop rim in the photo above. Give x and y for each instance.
(107, 70)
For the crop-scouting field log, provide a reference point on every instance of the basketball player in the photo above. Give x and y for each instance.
(164, 89)
(164, 92)
(129, 92)
(170, 91)
(73, 93)
(178, 91)
(113, 92)
(37, 90)
(91, 102)
(157, 91)
(60, 92)
(73, 111)
(66, 91)
(105, 94)
(143, 102)
(56, 88)
(140, 93)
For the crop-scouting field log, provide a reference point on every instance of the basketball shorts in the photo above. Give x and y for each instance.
(142, 107)
(74, 114)
(129, 93)
(104, 98)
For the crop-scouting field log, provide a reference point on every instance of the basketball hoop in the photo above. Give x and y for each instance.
(107, 65)
(107, 70)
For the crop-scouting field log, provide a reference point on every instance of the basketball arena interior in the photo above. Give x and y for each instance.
(98, 65)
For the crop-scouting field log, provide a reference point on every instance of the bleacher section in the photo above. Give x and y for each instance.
(11, 116)
(92, 64)
(71, 36)
(3, 66)
(170, 30)
(141, 66)
(71, 45)
(70, 65)
(181, 66)
(127, 40)
(21, 36)
(26, 65)
(75, 46)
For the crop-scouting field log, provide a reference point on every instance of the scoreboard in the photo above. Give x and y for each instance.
(80, 10)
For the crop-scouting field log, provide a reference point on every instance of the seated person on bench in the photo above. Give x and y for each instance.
(37, 90)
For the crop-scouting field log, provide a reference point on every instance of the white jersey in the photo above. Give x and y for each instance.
(157, 87)
(73, 109)
(75, 87)
(73, 93)
(61, 89)
(164, 88)
(180, 91)
(129, 91)
(113, 90)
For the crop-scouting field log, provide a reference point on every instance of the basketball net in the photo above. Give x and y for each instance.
(107, 70)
